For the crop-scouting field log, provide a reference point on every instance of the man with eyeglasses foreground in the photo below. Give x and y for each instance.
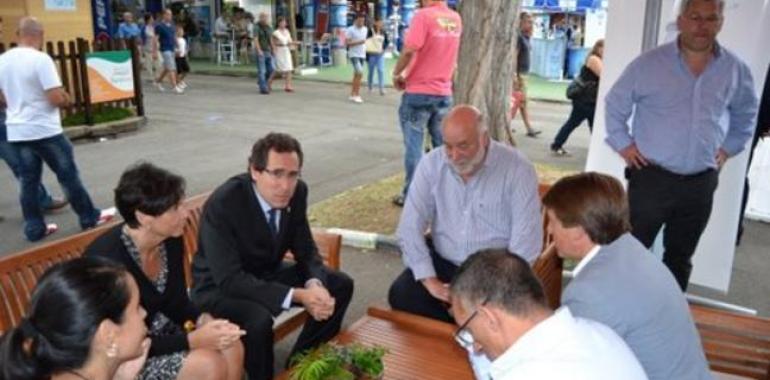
(501, 309)
(248, 225)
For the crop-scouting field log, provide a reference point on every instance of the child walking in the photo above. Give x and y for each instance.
(182, 66)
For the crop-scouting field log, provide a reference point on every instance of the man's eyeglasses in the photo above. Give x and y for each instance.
(462, 335)
(281, 174)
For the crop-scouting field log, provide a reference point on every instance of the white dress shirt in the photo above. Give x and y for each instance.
(566, 347)
(266, 207)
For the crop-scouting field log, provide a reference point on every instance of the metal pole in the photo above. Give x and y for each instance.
(651, 24)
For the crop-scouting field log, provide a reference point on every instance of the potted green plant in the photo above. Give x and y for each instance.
(336, 362)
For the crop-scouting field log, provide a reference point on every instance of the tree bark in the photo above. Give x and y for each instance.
(292, 21)
(486, 63)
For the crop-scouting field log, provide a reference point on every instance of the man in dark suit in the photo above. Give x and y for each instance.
(247, 226)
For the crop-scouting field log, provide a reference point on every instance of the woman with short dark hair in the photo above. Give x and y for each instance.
(84, 322)
(186, 344)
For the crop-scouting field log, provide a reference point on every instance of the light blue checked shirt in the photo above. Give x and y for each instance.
(680, 121)
(499, 207)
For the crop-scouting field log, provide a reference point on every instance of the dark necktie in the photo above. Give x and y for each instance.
(271, 221)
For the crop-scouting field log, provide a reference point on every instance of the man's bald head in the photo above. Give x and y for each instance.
(465, 139)
(465, 116)
(30, 27)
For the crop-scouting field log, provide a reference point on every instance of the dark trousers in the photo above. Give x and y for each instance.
(258, 322)
(408, 295)
(745, 199)
(658, 197)
(56, 152)
(580, 111)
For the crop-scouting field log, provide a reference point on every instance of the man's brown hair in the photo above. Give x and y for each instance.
(596, 202)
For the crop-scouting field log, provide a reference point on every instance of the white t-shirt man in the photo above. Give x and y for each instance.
(354, 33)
(220, 26)
(25, 76)
(566, 347)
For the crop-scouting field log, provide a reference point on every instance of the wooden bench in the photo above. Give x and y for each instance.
(734, 344)
(19, 272)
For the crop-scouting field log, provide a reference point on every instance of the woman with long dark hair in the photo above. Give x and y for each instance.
(84, 323)
(186, 344)
(584, 104)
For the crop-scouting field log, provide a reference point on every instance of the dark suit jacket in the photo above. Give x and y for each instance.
(238, 257)
(763, 118)
(173, 302)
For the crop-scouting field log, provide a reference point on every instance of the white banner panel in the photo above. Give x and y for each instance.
(745, 22)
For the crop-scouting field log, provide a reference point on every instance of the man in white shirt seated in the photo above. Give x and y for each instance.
(501, 309)
(222, 27)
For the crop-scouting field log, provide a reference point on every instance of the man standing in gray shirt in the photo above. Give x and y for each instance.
(618, 282)
(471, 194)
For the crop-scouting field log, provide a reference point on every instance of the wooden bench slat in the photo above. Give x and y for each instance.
(734, 344)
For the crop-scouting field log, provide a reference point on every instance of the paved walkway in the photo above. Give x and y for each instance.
(206, 134)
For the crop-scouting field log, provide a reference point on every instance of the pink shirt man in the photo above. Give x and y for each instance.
(434, 34)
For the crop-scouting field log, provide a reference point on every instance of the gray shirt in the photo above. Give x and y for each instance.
(499, 207)
(628, 289)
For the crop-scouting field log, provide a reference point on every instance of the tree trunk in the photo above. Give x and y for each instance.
(292, 21)
(486, 63)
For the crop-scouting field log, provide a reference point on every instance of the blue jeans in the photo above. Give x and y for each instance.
(56, 151)
(376, 62)
(264, 69)
(358, 65)
(10, 154)
(418, 111)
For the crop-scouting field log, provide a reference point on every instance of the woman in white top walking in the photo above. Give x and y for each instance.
(282, 45)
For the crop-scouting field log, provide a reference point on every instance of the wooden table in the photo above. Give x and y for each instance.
(418, 348)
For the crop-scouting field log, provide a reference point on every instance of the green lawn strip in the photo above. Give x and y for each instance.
(539, 88)
(100, 115)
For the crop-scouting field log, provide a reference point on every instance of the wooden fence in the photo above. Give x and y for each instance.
(71, 61)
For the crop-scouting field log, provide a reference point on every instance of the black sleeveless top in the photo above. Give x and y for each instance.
(591, 83)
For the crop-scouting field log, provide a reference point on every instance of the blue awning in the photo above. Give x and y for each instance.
(561, 5)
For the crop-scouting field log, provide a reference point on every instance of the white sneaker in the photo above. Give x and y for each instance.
(357, 99)
(182, 85)
(159, 86)
(179, 90)
(106, 215)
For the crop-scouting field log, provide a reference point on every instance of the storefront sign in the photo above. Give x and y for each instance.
(110, 76)
(60, 5)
